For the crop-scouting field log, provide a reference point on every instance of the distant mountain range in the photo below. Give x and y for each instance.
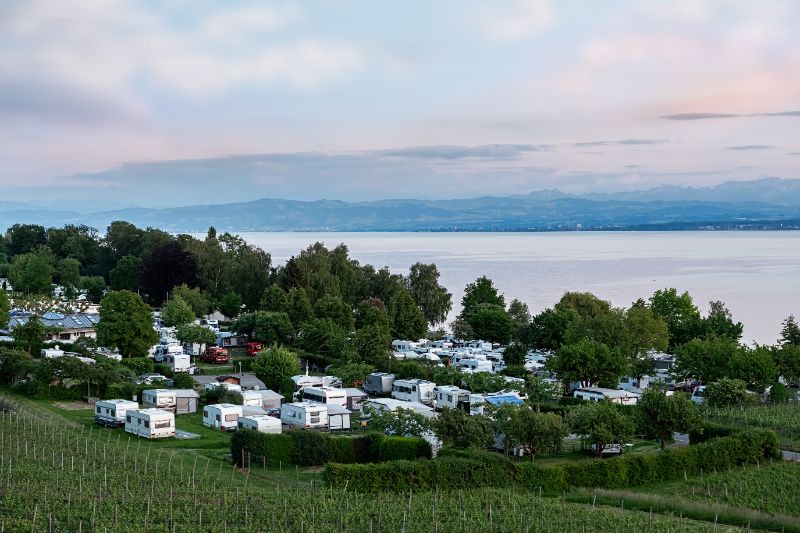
(761, 204)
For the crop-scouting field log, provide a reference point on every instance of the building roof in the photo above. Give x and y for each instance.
(186, 393)
(610, 393)
(334, 409)
(57, 320)
(350, 391)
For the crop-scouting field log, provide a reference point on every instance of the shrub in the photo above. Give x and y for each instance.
(183, 380)
(343, 449)
(249, 446)
(709, 430)
(778, 393)
(140, 365)
(409, 448)
(310, 448)
(163, 369)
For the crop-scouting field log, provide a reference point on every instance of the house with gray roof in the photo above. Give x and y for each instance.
(70, 327)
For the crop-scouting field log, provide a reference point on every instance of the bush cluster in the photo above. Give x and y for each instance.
(309, 448)
(710, 430)
(462, 470)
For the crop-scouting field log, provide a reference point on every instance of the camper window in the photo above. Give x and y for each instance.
(163, 424)
(205, 413)
(231, 418)
(218, 418)
(97, 410)
(315, 419)
(146, 424)
(113, 412)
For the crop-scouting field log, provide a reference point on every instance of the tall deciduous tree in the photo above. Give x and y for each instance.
(5, 309)
(537, 432)
(548, 328)
(274, 299)
(407, 319)
(588, 362)
(491, 323)
(177, 312)
(126, 323)
(197, 300)
(434, 299)
(480, 291)
(127, 273)
(272, 328)
(602, 423)
(790, 332)
(195, 334)
(719, 323)
(168, 266)
(586, 304)
(32, 272)
(679, 312)
(456, 428)
(30, 333)
(275, 366)
(661, 415)
(230, 304)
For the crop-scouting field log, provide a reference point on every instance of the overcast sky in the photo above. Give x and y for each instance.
(172, 102)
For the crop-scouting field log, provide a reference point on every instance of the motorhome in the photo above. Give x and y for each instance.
(473, 366)
(112, 413)
(325, 395)
(308, 415)
(150, 423)
(355, 398)
(379, 383)
(451, 397)
(413, 390)
(222, 416)
(260, 423)
(598, 394)
(159, 399)
(180, 362)
(301, 381)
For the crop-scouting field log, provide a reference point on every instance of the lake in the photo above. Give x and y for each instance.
(757, 274)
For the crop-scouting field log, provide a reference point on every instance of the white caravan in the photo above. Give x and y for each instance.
(222, 416)
(159, 399)
(305, 415)
(473, 366)
(260, 423)
(451, 397)
(413, 390)
(112, 412)
(150, 423)
(598, 394)
(326, 395)
(162, 351)
(379, 383)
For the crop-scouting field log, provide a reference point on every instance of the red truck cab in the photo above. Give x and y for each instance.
(215, 355)
(253, 348)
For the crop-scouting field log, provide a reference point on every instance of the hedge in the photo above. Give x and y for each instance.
(709, 430)
(310, 448)
(461, 470)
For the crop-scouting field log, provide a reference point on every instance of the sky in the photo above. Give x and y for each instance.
(175, 102)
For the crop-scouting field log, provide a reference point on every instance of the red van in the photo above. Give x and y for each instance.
(215, 355)
(253, 348)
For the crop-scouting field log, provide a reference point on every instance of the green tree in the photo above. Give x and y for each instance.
(491, 323)
(14, 365)
(95, 287)
(5, 309)
(275, 366)
(725, 392)
(447, 375)
(299, 306)
(352, 374)
(589, 363)
(646, 332)
(548, 328)
(601, 423)
(461, 329)
(790, 332)
(197, 300)
(538, 432)
(274, 299)
(719, 323)
(334, 308)
(372, 342)
(778, 393)
(787, 361)
(755, 367)
(407, 319)
(126, 274)
(30, 333)
(540, 391)
(32, 273)
(272, 328)
(457, 429)
(69, 272)
(661, 415)
(705, 359)
(324, 337)
(401, 422)
(480, 291)
(514, 354)
(434, 299)
(176, 312)
(680, 314)
(230, 304)
(126, 323)
(586, 304)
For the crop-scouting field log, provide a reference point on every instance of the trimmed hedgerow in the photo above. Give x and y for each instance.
(310, 448)
(710, 430)
(461, 470)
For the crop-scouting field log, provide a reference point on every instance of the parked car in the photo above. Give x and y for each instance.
(253, 348)
(698, 394)
(215, 355)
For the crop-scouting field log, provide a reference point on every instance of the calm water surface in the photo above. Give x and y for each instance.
(756, 273)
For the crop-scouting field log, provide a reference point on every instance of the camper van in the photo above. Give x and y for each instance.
(260, 423)
(326, 395)
(159, 399)
(413, 390)
(222, 416)
(112, 413)
(305, 415)
(379, 383)
(451, 397)
(180, 362)
(698, 394)
(150, 423)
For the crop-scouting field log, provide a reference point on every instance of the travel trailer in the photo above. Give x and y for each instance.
(159, 399)
(379, 383)
(451, 397)
(161, 351)
(413, 390)
(474, 366)
(112, 413)
(598, 394)
(306, 415)
(150, 423)
(260, 423)
(325, 395)
(222, 416)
